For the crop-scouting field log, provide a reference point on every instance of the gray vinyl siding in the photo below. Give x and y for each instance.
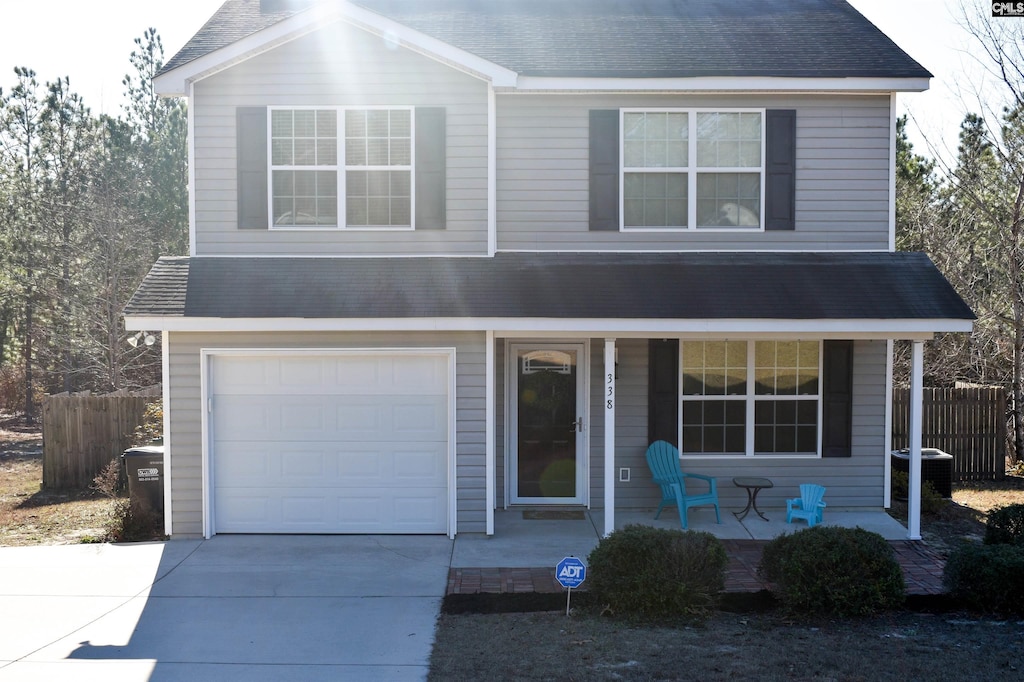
(186, 414)
(854, 482)
(339, 66)
(842, 181)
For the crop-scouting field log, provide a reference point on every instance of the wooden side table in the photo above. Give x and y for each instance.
(753, 486)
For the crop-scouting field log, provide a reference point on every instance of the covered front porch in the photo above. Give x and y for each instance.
(527, 538)
(522, 553)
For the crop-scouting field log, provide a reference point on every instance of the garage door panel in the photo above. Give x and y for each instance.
(301, 373)
(416, 466)
(341, 375)
(244, 374)
(320, 417)
(355, 510)
(421, 418)
(241, 460)
(331, 444)
(419, 511)
(301, 507)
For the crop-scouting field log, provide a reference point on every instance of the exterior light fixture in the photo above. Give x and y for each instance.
(145, 337)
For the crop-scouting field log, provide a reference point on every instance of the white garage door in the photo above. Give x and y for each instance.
(342, 443)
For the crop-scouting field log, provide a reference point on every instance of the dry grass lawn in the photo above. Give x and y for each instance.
(899, 647)
(31, 516)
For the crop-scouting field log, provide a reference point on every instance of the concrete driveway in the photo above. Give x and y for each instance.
(230, 608)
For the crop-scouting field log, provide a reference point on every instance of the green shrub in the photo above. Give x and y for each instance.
(128, 523)
(648, 573)
(987, 577)
(1005, 525)
(839, 571)
(931, 501)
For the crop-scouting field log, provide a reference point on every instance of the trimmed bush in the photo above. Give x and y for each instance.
(649, 573)
(931, 501)
(838, 571)
(1005, 525)
(987, 577)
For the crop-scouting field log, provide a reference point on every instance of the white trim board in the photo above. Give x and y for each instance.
(920, 329)
(718, 84)
(174, 83)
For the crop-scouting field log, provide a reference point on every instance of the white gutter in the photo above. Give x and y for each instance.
(526, 326)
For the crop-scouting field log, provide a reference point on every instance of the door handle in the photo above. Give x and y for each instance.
(577, 425)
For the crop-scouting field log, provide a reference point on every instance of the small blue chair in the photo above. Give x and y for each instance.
(809, 506)
(663, 460)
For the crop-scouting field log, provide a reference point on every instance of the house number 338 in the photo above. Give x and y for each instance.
(610, 402)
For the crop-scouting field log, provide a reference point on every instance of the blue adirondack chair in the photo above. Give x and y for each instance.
(663, 459)
(809, 506)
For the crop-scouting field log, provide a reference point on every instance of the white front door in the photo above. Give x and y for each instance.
(547, 463)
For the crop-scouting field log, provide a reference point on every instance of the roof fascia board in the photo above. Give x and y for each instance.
(174, 83)
(718, 84)
(846, 329)
(428, 46)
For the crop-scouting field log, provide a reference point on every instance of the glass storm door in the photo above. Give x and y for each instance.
(547, 413)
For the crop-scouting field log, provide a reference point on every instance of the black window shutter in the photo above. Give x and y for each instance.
(604, 169)
(780, 169)
(431, 150)
(837, 394)
(663, 390)
(251, 129)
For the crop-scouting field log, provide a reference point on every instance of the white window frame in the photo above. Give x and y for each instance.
(691, 170)
(750, 398)
(341, 169)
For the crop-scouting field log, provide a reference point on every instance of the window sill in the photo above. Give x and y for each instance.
(693, 230)
(809, 455)
(336, 228)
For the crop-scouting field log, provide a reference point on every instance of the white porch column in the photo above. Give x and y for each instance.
(165, 367)
(916, 402)
(609, 435)
(489, 448)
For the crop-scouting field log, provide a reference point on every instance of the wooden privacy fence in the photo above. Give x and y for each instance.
(968, 423)
(82, 433)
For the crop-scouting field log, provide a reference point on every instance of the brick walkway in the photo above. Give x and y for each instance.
(922, 570)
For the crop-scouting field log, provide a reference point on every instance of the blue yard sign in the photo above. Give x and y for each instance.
(570, 572)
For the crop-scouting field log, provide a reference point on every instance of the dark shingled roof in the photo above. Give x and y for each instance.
(622, 38)
(717, 285)
(162, 292)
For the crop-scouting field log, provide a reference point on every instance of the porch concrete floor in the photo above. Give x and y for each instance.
(521, 555)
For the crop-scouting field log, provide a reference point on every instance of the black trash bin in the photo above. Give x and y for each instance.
(145, 469)
(936, 467)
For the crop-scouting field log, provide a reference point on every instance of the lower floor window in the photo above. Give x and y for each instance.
(750, 398)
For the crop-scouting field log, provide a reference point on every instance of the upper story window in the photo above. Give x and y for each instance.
(363, 174)
(686, 169)
(750, 398)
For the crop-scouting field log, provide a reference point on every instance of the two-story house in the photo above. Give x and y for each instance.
(449, 257)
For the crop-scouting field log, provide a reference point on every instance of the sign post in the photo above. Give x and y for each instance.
(570, 572)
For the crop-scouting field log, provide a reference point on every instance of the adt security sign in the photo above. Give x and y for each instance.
(570, 572)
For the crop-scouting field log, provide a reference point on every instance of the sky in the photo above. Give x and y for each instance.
(90, 42)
